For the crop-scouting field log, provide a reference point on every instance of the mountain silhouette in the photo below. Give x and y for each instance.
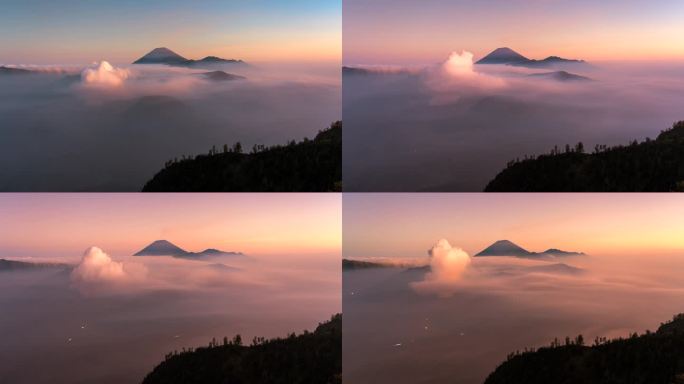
(508, 56)
(166, 248)
(166, 56)
(221, 76)
(308, 358)
(647, 358)
(561, 76)
(16, 265)
(161, 55)
(508, 248)
(14, 71)
(548, 62)
(647, 166)
(558, 252)
(504, 248)
(310, 165)
(161, 248)
(502, 55)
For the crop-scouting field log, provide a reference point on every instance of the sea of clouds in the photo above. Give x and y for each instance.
(111, 127)
(455, 125)
(110, 318)
(458, 319)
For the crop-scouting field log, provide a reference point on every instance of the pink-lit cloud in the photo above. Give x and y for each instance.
(104, 74)
(98, 270)
(447, 266)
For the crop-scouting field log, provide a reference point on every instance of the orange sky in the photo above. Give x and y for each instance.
(407, 31)
(66, 224)
(78, 32)
(385, 225)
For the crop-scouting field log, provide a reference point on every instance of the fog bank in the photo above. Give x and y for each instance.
(111, 127)
(401, 327)
(112, 318)
(454, 126)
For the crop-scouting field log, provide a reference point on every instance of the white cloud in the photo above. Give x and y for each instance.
(104, 74)
(459, 64)
(446, 262)
(457, 77)
(447, 266)
(98, 268)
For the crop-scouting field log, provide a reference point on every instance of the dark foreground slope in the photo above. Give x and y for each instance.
(308, 166)
(308, 358)
(650, 358)
(649, 166)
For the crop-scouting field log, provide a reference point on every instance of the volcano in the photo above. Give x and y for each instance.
(166, 248)
(508, 248)
(504, 248)
(503, 55)
(161, 55)
(508, 56)
(166, 56)
(162, 248)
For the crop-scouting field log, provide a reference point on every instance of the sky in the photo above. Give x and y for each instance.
(420, 32)
(407, 225)
(64, 225)
(78, 32)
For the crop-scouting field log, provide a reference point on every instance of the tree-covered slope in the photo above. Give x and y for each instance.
(308, 358)
(650, 358)
(308, 166)
(652, 165)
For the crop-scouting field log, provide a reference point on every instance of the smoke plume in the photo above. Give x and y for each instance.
(104, 74)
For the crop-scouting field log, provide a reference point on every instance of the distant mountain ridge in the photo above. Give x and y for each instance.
(508, 248)
(166, 248)
(163, 55)
(368, 71)
(16, 265)
(221, 76)
(503, 55)
(508, 56)
(560, 76)
(4, 70)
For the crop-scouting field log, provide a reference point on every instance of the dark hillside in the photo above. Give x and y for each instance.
(650, 358)
(307, 166)
(308, 358)
(650, 166)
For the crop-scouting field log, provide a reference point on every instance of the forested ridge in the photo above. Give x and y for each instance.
(307, 166)
(647, 166)
(649, 358)
(307, 358)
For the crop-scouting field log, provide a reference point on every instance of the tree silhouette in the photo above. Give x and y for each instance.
(309, 166)
(649, 166)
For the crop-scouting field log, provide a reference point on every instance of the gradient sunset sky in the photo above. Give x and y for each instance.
(77, 32)
(406, 225)
(419, 32)
(64, 225)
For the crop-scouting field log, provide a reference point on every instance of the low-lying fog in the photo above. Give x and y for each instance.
(456, 322)
(453, 127)
(112, 127)
(112, 318)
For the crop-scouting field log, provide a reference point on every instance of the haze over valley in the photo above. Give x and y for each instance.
(575, 264)
(454, 126)
(88, 296)
(92, 99)
(441, 96)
